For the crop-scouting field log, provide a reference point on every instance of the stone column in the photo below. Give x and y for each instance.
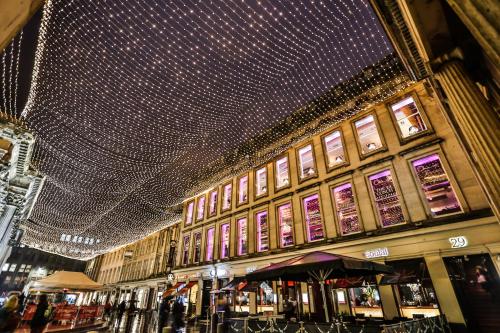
(477, 122)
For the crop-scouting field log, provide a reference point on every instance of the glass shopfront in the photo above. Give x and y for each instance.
(312, 215)
(386, 199)
(346, 210)
(266, 298)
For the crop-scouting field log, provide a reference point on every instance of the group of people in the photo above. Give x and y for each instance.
(10, 314)
(171, 313)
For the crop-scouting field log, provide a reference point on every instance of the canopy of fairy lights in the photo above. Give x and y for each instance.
(135, 104)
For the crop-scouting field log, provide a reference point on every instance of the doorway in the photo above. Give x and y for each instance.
(476, 284)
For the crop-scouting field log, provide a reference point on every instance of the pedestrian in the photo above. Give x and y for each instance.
(178, 314)
(163, 312)
(121, 310)
(40, 318)
(20, 307)
(107, 310)
(9, 318)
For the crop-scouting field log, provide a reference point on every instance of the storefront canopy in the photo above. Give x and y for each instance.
(172, 290)
(308, 265)
(188, 286)
(66, 280)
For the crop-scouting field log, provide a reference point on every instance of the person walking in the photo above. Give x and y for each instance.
(121, 310)
(163, 312)
(178, 314)
(9, 318)
(40, 317)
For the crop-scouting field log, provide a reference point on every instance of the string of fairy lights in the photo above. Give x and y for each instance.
(9, 72)
(131, 102)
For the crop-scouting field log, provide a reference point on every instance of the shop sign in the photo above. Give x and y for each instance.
(251, 269)
(170, 277)
(377, 253)
(458, 242)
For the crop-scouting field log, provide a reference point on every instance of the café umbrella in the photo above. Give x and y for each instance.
(320, 266)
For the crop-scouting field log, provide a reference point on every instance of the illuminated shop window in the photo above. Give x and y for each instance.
(386, 199)
(226, 196)
(12, 267)
(345, 207)
(5, 267)
(209, 256)
(243, 189)
(212, 205)
(368, 135)
(185, 249)
(68, 238)
(435, 184)
(189, 213)
(306, 162)
(22, 268)
(334, 148)
(408, 117)
(197, 247)
(28, 269)
(285, 218)
(200, 209)
(63, 237)
(261, 182)
(242, 236)
(224, 241)
(282, 175)
(312, 212)
(262, 231)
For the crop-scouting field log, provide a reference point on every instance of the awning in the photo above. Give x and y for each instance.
(407, 271)
(249, 286)
(172, 289)
(188, 286)
(66, 280)
(233, 284)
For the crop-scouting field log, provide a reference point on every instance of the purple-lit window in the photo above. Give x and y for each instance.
(306, 162)
(262, 231)
(212, 205)
(224, 241)
(197, 247)
(185, 249)
(312, 212)
(334, 149)
(285, 218)
(243, 189)
(261, 182)
(209, 256)
(345, 206)
(200, 209)
(242, 236)
(435, 183)
(189, 213)
(386, 199)
(282, 177)
(368, 135)
(408, 117)
(226, 196)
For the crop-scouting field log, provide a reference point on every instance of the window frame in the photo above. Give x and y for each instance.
(193, 255)
(257, 212)
(275, 169)
(216, 190)
(303, 216)
(228, 223)
(277, 207)
(206, 243)
(198, 206)
(413, 94)
(379, 131)
(401, 199)
(223, 186)
(255, 177)
(299, 164)
(331, 187)
(237, 220)
(188, 250)
(238, 203)
(325, 151)
(191, 201)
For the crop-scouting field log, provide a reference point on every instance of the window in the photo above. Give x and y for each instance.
(209, 256)
(226, 197)
(200, 209)
(68, 238)
(436, 186)
(307, 167)
(22, 268)
(28, 269)
(334, 150)
(197, 247)
(5, 267)
(189, 213)
(261, 182)
(386, 199)
(12, 268)
(285, 219)
(313, 222)
(243, 189)
(63, 237)
(212, 205)
(282, 174)
(345, 207)
(7, 279)
(242, 236)
(262, 231)
(368, 135)
(224, 241)
(408, 117)
(185, 249)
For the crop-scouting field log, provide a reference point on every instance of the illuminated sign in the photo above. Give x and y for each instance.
(458, 242)
(377, 253)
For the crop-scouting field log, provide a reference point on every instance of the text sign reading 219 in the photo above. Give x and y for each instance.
(458, 242)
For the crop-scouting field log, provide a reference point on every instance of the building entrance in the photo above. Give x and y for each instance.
(477, 287)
